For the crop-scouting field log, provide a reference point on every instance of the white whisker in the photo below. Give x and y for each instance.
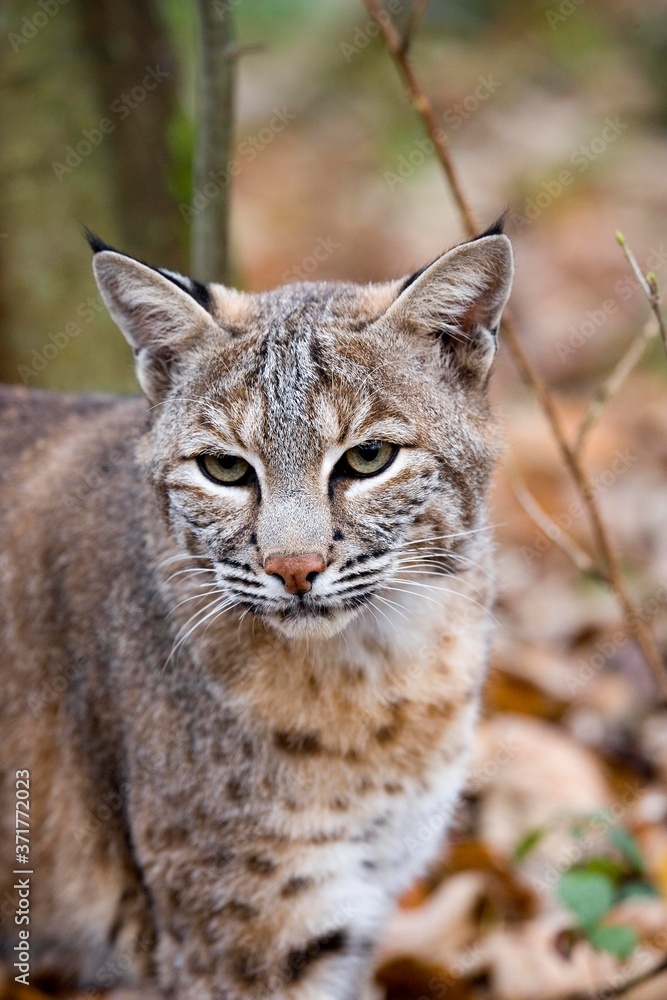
(408, 571)
(190, 571)
(444, 590)
(393, 604)
(374, 608)
(195, 597)
(455, 534)
(220, 606)
(182, 555)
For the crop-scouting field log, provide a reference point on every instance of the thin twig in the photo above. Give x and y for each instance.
(655, 305)
(548, 526)
(414, 17)
(603, 544)
(649, 286)
(621, 989)
(604, 547)
(612, 384)
(423, 106)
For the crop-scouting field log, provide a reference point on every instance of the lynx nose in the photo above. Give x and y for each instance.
(296, 572)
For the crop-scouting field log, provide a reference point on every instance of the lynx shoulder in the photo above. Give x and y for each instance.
(244, 625)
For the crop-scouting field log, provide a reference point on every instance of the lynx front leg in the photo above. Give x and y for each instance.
(229, 933)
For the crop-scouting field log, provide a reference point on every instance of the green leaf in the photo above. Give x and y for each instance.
(527, 843)
(628, 847)
(604, 864)
(589, 895)
(620, 940)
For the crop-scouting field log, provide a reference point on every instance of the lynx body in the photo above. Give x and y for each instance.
(244, 626)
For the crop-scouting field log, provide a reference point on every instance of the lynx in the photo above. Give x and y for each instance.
(244, 623)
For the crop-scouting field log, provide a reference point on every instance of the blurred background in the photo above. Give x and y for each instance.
(557, 108)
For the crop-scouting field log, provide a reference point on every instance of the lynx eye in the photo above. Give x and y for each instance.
(229, 470)
(368, 459)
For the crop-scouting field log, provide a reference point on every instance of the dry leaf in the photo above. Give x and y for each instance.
(537, 776)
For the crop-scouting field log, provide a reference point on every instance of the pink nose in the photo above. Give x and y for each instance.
(296, 572)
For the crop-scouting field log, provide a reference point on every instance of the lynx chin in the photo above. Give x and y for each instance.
(244, 624)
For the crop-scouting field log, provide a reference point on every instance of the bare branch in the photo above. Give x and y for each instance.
(423, 106)
(649, 286)
(548, 526)
(612, 384)
(605, 549)
(634, 352)
(416, 13)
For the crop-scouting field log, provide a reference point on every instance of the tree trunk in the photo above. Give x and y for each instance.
(210, 223)
(136, 73)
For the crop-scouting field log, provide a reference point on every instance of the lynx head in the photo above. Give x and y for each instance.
(304, 440)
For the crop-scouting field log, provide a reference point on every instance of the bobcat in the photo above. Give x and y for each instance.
(244, 625)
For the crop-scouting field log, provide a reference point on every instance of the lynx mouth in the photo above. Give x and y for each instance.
(310, 618)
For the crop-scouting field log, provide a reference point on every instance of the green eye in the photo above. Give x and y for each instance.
(230, 470)
(369, 458)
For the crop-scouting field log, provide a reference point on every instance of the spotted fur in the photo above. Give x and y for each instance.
(232, 783)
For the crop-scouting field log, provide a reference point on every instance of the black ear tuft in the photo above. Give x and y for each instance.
(413, 277)
(96, 244)
(196, 289)
(496, 228)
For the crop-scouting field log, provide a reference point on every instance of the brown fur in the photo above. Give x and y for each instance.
(232, 810)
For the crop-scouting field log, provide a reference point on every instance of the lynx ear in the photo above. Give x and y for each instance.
(159, 312)
(459, 298)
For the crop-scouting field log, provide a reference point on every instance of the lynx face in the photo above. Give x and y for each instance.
(323, 448)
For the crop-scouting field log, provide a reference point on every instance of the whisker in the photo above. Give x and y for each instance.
(410, 593)
(409, 571)
(195, 597)
(416, 559)
(444, 590)
(220, 606)
(190, 571)
(395, 605)
(456, 534)
(221, 612)
(374, 608)
(182, 555)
